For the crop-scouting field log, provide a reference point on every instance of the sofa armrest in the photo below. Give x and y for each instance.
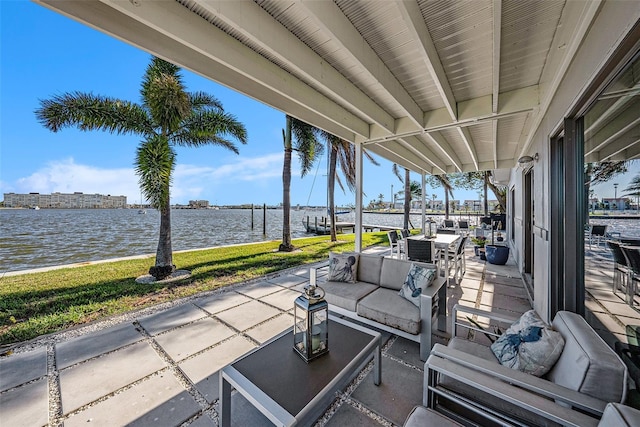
(499, 389)
(529, 384)
(474, 311)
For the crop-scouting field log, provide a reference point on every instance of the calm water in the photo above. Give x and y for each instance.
(46, 237)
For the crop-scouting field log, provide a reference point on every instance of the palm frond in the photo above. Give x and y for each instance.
(92, 112)
(396, 171)
(154, 164)
(210, 128)
(306, 144)
(203, 100)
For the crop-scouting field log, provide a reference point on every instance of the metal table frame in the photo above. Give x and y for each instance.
(230, 378)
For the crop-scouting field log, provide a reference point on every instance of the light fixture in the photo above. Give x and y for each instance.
(528, 159)
(311, 322)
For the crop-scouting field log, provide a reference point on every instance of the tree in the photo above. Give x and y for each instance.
(599, 172)
(477, 181)
(442, 181)
(411, 189)
(341, 154)
(302, 138)
(167, 116)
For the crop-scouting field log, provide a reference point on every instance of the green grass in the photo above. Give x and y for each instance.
(41, 303)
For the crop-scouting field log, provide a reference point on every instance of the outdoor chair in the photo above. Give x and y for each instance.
(394, 242)
(632, 255)
(463, 227)
(446, 231)
(405, 233)
(597, 233)
(448, 223)
(456, 260)
(620, 267)
(422, 251)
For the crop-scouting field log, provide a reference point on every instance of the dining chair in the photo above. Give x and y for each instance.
(620, 266)
(422, 251)
(598, 233)
(632, 255)
(394, 242)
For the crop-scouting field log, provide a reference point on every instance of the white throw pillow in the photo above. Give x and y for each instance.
(417, 279)
(343, 267)
(529, 345)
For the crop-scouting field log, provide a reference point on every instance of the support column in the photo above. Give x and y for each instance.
(358, 230)
(424, 204)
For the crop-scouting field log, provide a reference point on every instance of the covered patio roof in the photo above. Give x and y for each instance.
(435, 86)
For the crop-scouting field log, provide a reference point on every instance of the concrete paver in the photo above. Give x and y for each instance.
(26, 406)
(86, 382)
(248, 315)
(283, 299)
(171, 318)
(159, 400)
(288, 280)
(22, 368)
(202, 370)
(217, 303)
(260, 289)
(272, 327)
(87, 346)
(183, 342)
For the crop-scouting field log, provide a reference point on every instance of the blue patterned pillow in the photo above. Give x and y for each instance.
(417, 279)
(529, 345)
(343, 267)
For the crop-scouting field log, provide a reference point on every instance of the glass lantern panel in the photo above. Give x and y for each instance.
(300, 330)
(319, 331)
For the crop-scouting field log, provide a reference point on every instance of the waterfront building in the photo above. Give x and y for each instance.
(77, 200)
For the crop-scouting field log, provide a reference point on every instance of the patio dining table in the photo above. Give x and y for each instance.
(443, 242)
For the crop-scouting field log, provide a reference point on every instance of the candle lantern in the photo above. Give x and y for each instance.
(311, 324)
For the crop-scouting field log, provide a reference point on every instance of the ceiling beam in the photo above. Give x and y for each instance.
(392, 156)
(615, 129)
(417, 27)
(441, 143)
(420, 149)
(169, 30)
(258, 26)
(328, 16)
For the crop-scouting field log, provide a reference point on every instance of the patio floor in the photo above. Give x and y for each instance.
(162, 368)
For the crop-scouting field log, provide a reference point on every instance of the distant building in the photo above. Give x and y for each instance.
(75, 200)
(198, 204)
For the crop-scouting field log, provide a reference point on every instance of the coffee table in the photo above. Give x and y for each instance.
(286, 389)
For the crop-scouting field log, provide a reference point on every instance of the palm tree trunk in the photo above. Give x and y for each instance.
(407, 198)
(286, 245)
(164, 255)
(446, 203)
(331, 182)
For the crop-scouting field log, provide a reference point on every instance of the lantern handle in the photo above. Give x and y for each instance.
(323, 292)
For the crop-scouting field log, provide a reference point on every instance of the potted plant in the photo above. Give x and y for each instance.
(479, 242)
(497, 254)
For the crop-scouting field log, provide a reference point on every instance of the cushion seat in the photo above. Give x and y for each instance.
(346, 295)
(385, 306)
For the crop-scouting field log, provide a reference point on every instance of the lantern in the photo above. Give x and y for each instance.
(311, 324)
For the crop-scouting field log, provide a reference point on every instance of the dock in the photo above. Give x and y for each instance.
(322, 227)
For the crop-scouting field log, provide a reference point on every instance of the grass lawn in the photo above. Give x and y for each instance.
(41, 303)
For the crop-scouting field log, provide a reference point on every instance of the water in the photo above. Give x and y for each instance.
(47, 237)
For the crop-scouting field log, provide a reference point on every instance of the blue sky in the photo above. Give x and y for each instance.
(44, 54)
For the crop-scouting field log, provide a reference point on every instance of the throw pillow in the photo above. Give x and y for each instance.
(417, 279)
(343, 267)
(529, 345)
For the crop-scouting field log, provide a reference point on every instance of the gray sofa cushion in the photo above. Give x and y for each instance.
(369, 268)
(587, 364)
(617, 415)
(346, 295)
(387, 307)
(393, 273)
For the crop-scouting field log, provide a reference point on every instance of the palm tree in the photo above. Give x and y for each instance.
(167, 116)
(343, 154)
(302, 138)
(407, 192)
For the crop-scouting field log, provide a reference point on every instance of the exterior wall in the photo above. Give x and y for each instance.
(614, 21)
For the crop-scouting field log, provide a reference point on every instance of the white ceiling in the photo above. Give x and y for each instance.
(437, 86)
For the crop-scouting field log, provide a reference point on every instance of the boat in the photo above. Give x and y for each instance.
(142, 211)
(36, 208)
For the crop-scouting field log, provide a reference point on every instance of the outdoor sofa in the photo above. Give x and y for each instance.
(374, 299)
(465, 377)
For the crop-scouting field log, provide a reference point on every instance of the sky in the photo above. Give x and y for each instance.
(44, 54)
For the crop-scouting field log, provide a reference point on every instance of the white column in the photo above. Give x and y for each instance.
(358, 230)
(424, 204)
